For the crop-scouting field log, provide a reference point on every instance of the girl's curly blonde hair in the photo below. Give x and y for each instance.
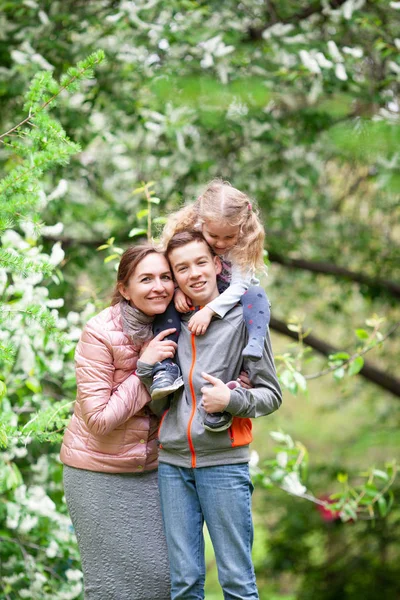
(222, 203)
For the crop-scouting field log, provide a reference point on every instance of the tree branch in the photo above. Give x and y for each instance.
(316, 7)
(326, 268)
(380, 378)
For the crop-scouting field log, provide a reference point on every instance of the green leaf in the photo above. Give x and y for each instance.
(137, 231)
(3, 437)
(33, 385)
(154, 200)
(103, 247)
(138, 190)
(300, 380)
(110, 258)
(356, 365)
(3, 389)
(342, 477)
(382, 505)
(339, 356)
(381, 474)
(362, 334)
(160, 220)
(142, 213)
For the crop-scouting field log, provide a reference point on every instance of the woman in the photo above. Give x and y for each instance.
(110, 446)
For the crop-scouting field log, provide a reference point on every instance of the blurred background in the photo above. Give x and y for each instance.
(295, 103)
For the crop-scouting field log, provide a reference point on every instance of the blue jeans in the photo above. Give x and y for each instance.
(220, 496)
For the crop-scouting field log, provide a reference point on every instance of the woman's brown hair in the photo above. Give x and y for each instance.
(129, 261)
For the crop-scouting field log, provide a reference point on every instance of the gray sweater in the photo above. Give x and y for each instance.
(183, 440)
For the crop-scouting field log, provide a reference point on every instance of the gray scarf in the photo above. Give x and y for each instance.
(135, 323)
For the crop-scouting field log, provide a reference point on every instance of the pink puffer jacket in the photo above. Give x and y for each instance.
(111, 429)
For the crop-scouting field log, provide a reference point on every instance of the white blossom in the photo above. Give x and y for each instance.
(282, 459)
(163, 44)
(43, 17)
(291, 483)
(73, 574)
(340, 72)
(207, 61)
(114, 18)
(38, 502)
(19, 57)
(334, 51)
(52, 549)
(350, 6)
(28, 523)
(254, 458)
(323, 61)
(394, 67)
(57, 254)
(13, 515)
(355, 52)
(55, 303)
(59, 191)
(277, 30)
(53, 230)
(309, 61)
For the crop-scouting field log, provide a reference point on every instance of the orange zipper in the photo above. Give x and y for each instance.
(194, 405)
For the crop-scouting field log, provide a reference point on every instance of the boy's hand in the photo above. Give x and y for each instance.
(182, 303)
(158, 349)
(216, 397)
(200, 321)
(244, 381)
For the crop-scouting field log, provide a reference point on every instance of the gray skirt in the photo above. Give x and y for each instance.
(118, 525)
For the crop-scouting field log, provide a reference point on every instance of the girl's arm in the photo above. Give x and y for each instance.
(102, 409)
(240, 283)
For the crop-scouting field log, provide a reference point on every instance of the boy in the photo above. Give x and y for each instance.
(204, 476)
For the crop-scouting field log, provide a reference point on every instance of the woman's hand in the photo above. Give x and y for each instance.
(200, 321)
(182, 303)
(244, 381)
(159, 349)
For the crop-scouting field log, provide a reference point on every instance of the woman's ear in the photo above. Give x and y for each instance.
(218, 265)
(122, 291)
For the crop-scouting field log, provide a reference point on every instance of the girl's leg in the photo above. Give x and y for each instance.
(166, 374)
(169, 319)
(256, 314)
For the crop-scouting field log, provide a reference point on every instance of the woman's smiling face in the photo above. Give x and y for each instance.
(150, 287)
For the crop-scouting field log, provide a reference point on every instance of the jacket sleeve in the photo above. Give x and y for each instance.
(102, 409)
(266, 395)
(240, 282)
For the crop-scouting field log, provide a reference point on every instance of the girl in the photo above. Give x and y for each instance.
(229, 222)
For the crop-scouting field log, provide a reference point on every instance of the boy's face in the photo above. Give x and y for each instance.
(195, 271)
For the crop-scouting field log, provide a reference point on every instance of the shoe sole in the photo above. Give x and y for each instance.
(217, 429)
(160, 393)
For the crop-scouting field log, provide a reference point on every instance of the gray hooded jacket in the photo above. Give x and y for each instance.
(183, 440)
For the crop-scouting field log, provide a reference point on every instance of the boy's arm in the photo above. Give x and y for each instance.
(266, 395)
(240, 283)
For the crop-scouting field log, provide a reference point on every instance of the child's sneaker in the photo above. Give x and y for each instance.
(166, 380)
(220, 421)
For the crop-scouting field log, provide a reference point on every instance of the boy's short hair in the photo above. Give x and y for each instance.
(187, 237)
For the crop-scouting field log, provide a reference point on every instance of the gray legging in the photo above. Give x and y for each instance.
(118, 525)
